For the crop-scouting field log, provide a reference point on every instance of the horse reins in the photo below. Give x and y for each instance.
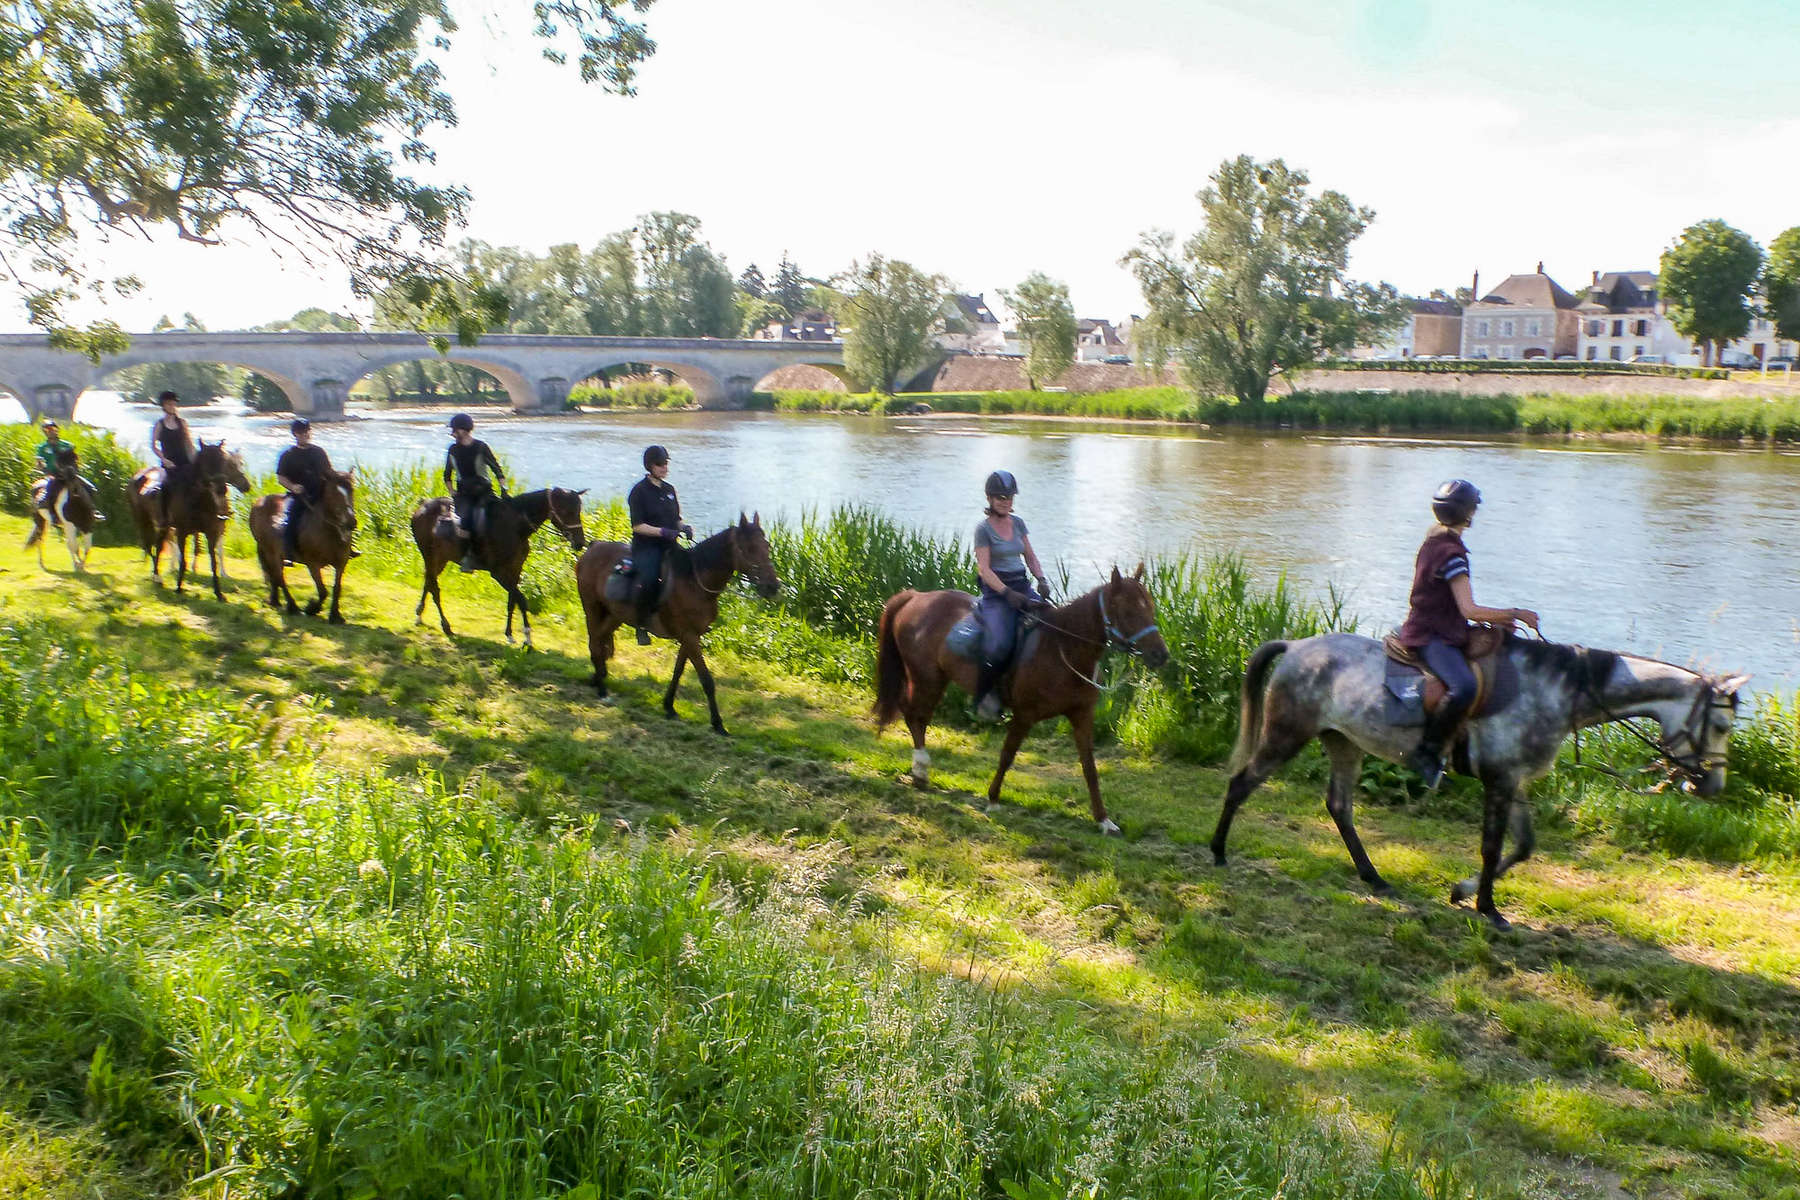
(1114, 637)
(1694, 765)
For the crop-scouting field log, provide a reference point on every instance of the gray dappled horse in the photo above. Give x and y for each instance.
(1332, 687)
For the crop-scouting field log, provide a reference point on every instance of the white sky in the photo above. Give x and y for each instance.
(986, 140)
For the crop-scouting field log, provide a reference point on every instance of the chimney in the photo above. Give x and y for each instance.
(1475, 288)
(1540, 270)
(1596, 279)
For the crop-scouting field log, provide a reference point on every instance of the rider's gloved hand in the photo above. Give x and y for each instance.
(1525, 616)
(669, 535)
(687, 531)
(1017, 599)
(1043, 588)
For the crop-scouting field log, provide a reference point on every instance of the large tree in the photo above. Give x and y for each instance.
(889, 307)
(1706, 279)
(791, 287)
(1261, 287)
(1781, 284)
(1046, 320)
(300, 125)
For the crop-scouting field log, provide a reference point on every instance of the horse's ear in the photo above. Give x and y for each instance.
(756, 518)
(743, 521)
(581, 491)
(1115, 575)
(1729, 685)
(1139, 573)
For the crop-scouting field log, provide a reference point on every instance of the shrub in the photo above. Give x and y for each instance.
(631, 393)
(106, 464)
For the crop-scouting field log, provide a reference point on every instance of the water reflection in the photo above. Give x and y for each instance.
(1687, 554)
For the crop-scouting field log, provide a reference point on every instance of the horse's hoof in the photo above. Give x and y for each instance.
(1380, 886)
(607, 700)
(1107, 828)
(447, 632)
(1500, 923)
(721, 731)
(1218, 858)
(336, 618)
(669, 714)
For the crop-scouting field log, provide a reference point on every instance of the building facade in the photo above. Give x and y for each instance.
(1527, 316)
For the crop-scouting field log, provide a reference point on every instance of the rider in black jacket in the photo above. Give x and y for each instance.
(468, 465)
(655, 524)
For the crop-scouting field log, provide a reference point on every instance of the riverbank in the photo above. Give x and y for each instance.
(368, 908)
(1766, 421)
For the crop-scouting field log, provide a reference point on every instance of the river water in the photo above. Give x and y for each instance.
(1688, 554)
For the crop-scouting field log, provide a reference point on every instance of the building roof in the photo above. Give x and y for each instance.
(1529, 291)
(1436, 308)
(1621, 291)
(1108, 335)
(974, 309)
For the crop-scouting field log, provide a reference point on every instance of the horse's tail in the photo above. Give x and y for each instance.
(1250, 703)
(890, 668)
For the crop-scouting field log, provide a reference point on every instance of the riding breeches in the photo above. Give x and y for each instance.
(999, 620)
(1448, 664)
(467, 500)
(646, 569)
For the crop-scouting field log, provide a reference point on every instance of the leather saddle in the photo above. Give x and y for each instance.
(1485, 644)
(621, 582)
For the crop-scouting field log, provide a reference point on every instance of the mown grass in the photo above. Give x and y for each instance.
(1142, 404)
(384, 950)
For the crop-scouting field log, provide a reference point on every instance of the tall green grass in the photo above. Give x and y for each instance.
(104, 463)
(253, 974)
(634, 393)
(1147, 403)
(1724, 419)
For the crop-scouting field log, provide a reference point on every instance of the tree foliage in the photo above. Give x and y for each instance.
(752, 284)
(1706, 279)
(1046, 321)
(301, 125)
(1261, 286)
(791, 288)
(1781, 284)
(890, 307)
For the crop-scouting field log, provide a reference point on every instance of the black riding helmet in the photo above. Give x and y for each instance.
(1002, 483)
(1455, 501)
(654, 456)
(462, 421)
(299, 425)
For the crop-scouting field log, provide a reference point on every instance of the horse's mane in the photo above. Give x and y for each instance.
(705, 554)
(1582, 667)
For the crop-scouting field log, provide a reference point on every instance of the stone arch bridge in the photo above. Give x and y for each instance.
(317, 370)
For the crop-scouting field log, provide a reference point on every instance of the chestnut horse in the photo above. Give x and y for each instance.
(323, 540)
(695, 578)
(199, 503)
(505, 541)
(1055, 678)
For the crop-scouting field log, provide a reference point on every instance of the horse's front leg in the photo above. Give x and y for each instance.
(318, 602)
(1524, 840)
(681, 659)
(212, 553)
(180, 563)
(72, 536)
(514, 597)
(337, 592)
(1081, 728)
(1497, 799)
(691, 647)
(1015, 736)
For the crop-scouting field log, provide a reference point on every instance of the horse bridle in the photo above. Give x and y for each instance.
(1114, 637)
(1695, 764)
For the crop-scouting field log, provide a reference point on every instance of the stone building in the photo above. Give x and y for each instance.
(1527, 316)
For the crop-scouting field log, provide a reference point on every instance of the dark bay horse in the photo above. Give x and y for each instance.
(695, 579)
(1331, 688)
(1055, 679)
(504, 543)
(327, 528)
(198, 502)
(75, 508)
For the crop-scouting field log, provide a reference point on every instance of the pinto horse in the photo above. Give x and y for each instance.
(1055, 678)
(76, 512)
(198, 502)
(327, 528)
(504, 543)
(695, 579)
(1331, 688)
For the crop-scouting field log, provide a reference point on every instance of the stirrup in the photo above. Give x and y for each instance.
(989, 708)
(1430, 767)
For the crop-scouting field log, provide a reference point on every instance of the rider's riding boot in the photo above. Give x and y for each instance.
(644, 613)
(987, 693)
(468, 563)
(1428, 757)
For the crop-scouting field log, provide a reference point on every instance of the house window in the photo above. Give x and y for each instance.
(1481, 329)
(1593, 353)
(1594, 328)
(1640, 328)
(1637, 350)
(1618, 329)
(1506, 330)
(1616, 353)
(1533, 328)
(1506, 351)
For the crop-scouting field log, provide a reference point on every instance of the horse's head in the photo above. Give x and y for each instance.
(565, 514)
(1130, 616)
(212, 467)
(68, 464)
(1699, 743)
(337, 501)
(235, 475)
(750, 555)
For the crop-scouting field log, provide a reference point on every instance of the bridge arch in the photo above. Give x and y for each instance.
(524, 393)
(709, 390)
(298, 396)
(815, 377)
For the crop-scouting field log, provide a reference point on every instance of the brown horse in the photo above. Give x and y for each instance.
(323, 540)
(239, 479)
(694, 580)
(504, 543)
(76, 510)
(1054, 677)
(199, 502)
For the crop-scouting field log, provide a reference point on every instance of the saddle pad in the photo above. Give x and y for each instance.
(964, 638)
(1403, 697)
(619, 587)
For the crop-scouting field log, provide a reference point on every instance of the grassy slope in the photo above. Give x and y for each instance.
(1640, 1027)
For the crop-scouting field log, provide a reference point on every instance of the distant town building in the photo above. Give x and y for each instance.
(971, 326)
(1623, 318)
(1527, 316)
(1096, 340)
(811, 325)
(1432, 329)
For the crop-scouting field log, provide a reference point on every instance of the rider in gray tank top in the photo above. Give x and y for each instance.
(1002, 563)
